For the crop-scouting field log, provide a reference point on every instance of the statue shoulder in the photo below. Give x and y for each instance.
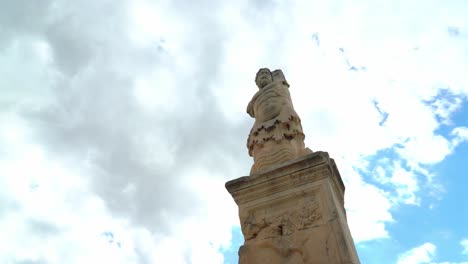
(278, 76)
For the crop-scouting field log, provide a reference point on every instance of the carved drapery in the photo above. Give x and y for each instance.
(276, 135)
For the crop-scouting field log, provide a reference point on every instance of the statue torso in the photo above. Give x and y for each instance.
(276, 135)
(271, 101)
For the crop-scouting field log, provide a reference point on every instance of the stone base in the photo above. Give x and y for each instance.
(294, 213)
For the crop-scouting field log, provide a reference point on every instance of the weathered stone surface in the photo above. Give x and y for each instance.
(294, 213)
(291, 207)
(276, 135)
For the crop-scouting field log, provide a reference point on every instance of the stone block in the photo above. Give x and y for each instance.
(294, 213)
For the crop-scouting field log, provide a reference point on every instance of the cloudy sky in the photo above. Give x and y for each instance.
(120, 122)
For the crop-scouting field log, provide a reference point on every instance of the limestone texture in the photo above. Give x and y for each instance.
(294, 213)
(291, 206)
(276, 135)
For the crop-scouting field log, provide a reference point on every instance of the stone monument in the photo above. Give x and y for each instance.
(291, 207)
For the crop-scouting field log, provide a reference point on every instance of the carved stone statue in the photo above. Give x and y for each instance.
(276, 135)
(291, 206)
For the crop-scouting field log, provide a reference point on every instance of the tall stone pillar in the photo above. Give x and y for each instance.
(294, 213)
(291, 207)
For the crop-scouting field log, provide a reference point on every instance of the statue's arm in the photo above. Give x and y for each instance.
(250, 109)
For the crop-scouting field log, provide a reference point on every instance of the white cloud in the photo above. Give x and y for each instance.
(404, 182)
(366, 219)
(418, 255)
(406, 185)
(50, 202)
(445, 107)
(460, 135)
(423, 254)
(464, 244)
(449, 262)
(152, 95)
(413, 149)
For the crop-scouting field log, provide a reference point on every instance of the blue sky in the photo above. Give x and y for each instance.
(120, 122)
(440, 219)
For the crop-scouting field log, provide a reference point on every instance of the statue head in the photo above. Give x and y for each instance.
(263, 77)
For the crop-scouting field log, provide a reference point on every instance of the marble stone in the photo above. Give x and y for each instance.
(294, 212)
(291, 206)
(276, 135)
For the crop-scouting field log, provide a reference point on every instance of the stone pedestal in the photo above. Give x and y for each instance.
(294, 213)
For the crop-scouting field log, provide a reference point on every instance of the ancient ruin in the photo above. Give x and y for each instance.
(291, 207)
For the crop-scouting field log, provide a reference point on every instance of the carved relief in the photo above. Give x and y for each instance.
(309, 213)
(304, 215)
(251, 228)
(276, 135)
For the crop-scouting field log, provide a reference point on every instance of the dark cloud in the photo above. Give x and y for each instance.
(453, 31)
(383, 114)
(22, 17)
(99, 116)
(31, 261)
(42, 229)
(70, 52)
(316, 39)
(7, 205)
(96, 120)
(263, 5)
